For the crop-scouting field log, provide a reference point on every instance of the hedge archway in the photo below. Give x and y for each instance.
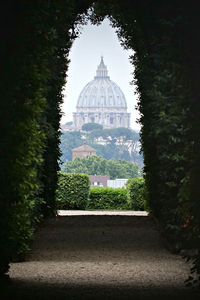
(38, 37)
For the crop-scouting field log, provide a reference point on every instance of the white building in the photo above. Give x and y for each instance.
(101, 101)
(117, 183)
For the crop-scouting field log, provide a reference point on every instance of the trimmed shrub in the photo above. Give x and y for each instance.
(136, 193)
(107, 198)
(92, 126)
(73, 191)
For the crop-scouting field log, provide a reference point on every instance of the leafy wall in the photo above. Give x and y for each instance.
(36, 44)
(38, 36)
(116, 143)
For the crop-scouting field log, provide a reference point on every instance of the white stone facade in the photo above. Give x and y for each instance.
(102, 101)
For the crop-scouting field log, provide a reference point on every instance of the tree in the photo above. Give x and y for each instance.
(69, 123)
(125, 143)
(91, 126)
(116, 143)
(69, 140)
(166, 60)
(97, 165)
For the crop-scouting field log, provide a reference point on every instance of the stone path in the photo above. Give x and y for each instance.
(70, 213)
(95, 256)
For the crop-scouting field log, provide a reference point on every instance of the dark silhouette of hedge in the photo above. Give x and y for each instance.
(136, 193)
(37, 38)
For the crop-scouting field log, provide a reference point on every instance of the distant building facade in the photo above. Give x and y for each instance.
(83, 151)
(117, 183)
(101, 101)
(98, 180)
(65, 128)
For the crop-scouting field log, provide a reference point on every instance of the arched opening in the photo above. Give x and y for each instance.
(166, 73)
(106, 98)
(93, 42)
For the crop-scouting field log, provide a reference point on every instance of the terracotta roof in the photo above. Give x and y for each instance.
(84, 148)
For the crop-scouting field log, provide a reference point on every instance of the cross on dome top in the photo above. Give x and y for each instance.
(102, 71)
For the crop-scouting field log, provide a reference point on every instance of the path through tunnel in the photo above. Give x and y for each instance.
(119, 255)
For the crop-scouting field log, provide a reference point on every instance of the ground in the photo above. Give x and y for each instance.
(99, 256)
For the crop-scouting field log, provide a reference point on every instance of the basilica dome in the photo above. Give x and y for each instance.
(101, 92)
(102, 101)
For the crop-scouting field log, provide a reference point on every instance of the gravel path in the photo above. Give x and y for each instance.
(99, 257)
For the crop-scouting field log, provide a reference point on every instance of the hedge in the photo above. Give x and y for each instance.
(73, 191)
(136, 193)
(166, 72)
(107, 198)
(31, 94)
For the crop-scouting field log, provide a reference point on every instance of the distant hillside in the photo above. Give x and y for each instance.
(118, 143)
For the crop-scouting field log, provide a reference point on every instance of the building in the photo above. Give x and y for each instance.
(101, 101)
(117, 183)
(104, 181)
(83, 151)
(98, 180)
(65, 128)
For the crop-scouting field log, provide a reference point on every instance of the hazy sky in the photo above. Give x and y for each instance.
(85, 55)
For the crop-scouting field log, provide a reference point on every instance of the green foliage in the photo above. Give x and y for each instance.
(69, 140)
(73, 191)
(31, 93)
(136, 193)
(97, 165)
(22, 103)
(69, 123)
(107, 198)
(166, 62)
(115, 133)
(113, 151)
(168, 89)
(92, 126)
(119, 143)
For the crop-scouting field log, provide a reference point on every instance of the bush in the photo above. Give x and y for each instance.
(107, 198)
(73, 191)
(97, 165)
(136, 193)
(92, 126)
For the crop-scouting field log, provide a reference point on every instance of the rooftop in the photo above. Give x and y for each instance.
(84, 148)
